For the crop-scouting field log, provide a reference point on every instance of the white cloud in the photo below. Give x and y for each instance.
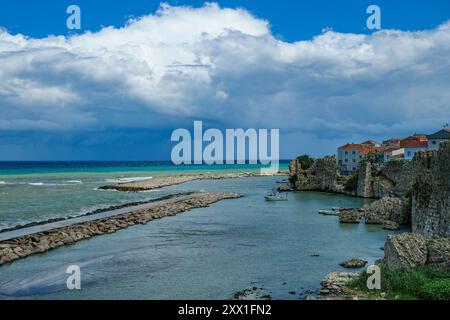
(226, 66)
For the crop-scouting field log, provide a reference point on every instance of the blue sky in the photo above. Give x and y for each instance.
(118, 93)
(291, 20)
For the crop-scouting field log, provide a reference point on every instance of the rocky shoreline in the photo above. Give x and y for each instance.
(17, 248)
(415, 194)
(160, 182)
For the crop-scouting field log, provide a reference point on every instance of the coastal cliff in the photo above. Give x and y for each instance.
(414, 193)
(430, 195)
(322, 175)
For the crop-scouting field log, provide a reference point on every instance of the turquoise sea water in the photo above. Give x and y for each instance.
(36, 191)
(207, 253)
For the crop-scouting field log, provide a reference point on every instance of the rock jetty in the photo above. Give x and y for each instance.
(160, 182)
(13, 249)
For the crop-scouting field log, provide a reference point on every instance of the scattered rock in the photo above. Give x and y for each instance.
(252, 294)
(391, 225)
(354, 263)
(350, 216)
(334, 283)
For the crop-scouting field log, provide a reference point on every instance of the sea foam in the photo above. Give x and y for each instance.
(126, 180)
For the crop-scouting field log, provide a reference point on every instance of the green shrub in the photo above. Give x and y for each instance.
(436, 290)
(306, 161)
(429, 283)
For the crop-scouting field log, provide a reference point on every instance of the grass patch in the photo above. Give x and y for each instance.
(424, 283)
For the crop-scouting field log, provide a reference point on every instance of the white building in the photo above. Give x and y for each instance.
(393, 154)
(435, 139)
(349, 156)
(412, 147)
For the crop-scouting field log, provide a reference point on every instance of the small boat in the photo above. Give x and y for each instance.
(273, 196)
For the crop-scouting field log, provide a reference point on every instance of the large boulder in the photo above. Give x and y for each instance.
(354, 263)
(387, 209)
(412, 249)
(391, 225)
(439, 252)
(350, 216)
(405, 251)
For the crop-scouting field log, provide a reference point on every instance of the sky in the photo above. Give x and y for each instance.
(137, 70)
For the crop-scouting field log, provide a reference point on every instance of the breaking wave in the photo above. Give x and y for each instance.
(126, 180)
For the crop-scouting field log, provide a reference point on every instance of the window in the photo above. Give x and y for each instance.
(409, 153)
(346, 152)
(354, 152)
(346, 160)
(354, 160)
(340, 161)
(433, 142)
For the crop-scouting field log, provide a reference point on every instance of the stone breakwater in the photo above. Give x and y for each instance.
(94, 212)
(160, 182)
(13, 249)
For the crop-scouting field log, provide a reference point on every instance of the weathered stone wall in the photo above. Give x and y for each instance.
(400, 174)
(365, 180)
(323, 175)
(388, 209)
(424, 180)
(388, 182)
(430, 212)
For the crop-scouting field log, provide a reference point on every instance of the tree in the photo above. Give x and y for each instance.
(306, 161)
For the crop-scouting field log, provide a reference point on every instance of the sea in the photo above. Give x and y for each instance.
(282, 249)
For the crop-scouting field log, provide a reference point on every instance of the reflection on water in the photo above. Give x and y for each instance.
(208, 253)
